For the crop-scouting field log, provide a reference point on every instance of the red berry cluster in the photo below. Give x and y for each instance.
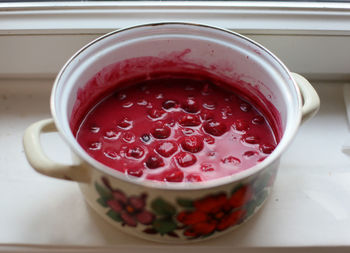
(175, 133)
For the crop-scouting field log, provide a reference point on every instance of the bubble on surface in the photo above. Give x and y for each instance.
(258, 120)
(231, 161)
(111, 135)
(245, 107)
(95, 145)
(207, 167)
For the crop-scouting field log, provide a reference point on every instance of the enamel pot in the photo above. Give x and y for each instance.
(161, 211)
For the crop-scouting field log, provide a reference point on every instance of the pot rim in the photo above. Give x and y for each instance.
(270, 159)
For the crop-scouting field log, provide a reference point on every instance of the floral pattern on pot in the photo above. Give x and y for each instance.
(128, 210)
(131, 211)
(189, 218)
(216, 212)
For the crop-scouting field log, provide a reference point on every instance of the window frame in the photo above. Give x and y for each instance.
(300, 33)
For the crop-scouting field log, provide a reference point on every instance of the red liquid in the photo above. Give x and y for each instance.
(175, 130)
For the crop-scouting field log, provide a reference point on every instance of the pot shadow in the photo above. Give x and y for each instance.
(110, 234)
(64, 219)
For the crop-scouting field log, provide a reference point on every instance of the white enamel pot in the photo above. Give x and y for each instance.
(159, 211)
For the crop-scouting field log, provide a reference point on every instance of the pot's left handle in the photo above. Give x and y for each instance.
(44, 165)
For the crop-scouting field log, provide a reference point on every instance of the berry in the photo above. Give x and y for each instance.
(190, 120)
(111, 154)
(155, 113)
(262, 159)
(136, 152)
(231, 161)
(192, 143)
(95, 145)
(226, 111)
(249, 153)
(258, 120)
(186, 159)
(111, 135)
(210, 105)
(175, 176)
(160, 96)
(161, 131)
(206, 167)
(94, 129)
(125, 123)
(208, 139)
(193, 178)
(207, 116)
(266, 148)
(170, 122)
(128, 104)
(245, 107)
(240, 125)
(206, 90)
(167, 148)
(169, 104)
(188, 131)
(135, 172)
(211, 153)
(128, 137)
(154, 162)
(142, 102)
(215, 128)
(190, 105)
(121, 96)
(250, 139)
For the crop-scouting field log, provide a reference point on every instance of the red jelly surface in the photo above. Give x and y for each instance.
(176, 130)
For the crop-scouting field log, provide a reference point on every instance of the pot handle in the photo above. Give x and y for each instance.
(44, 165)
(311, 100)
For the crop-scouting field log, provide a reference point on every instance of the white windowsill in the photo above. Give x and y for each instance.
(310, 38)
(244, 17)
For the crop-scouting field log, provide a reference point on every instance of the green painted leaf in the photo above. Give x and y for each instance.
(103, 192)
(114, 215)
(262, 182)
(188, 203)
(256, 202)
(260, 197)
(236, 188)
(102, 202)
(250, 208)
(164, 226)
(163, 208)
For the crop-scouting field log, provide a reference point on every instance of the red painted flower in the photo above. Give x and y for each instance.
(215, 213)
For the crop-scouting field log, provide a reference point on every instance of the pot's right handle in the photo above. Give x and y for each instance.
(44, 165)
(311, 100)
